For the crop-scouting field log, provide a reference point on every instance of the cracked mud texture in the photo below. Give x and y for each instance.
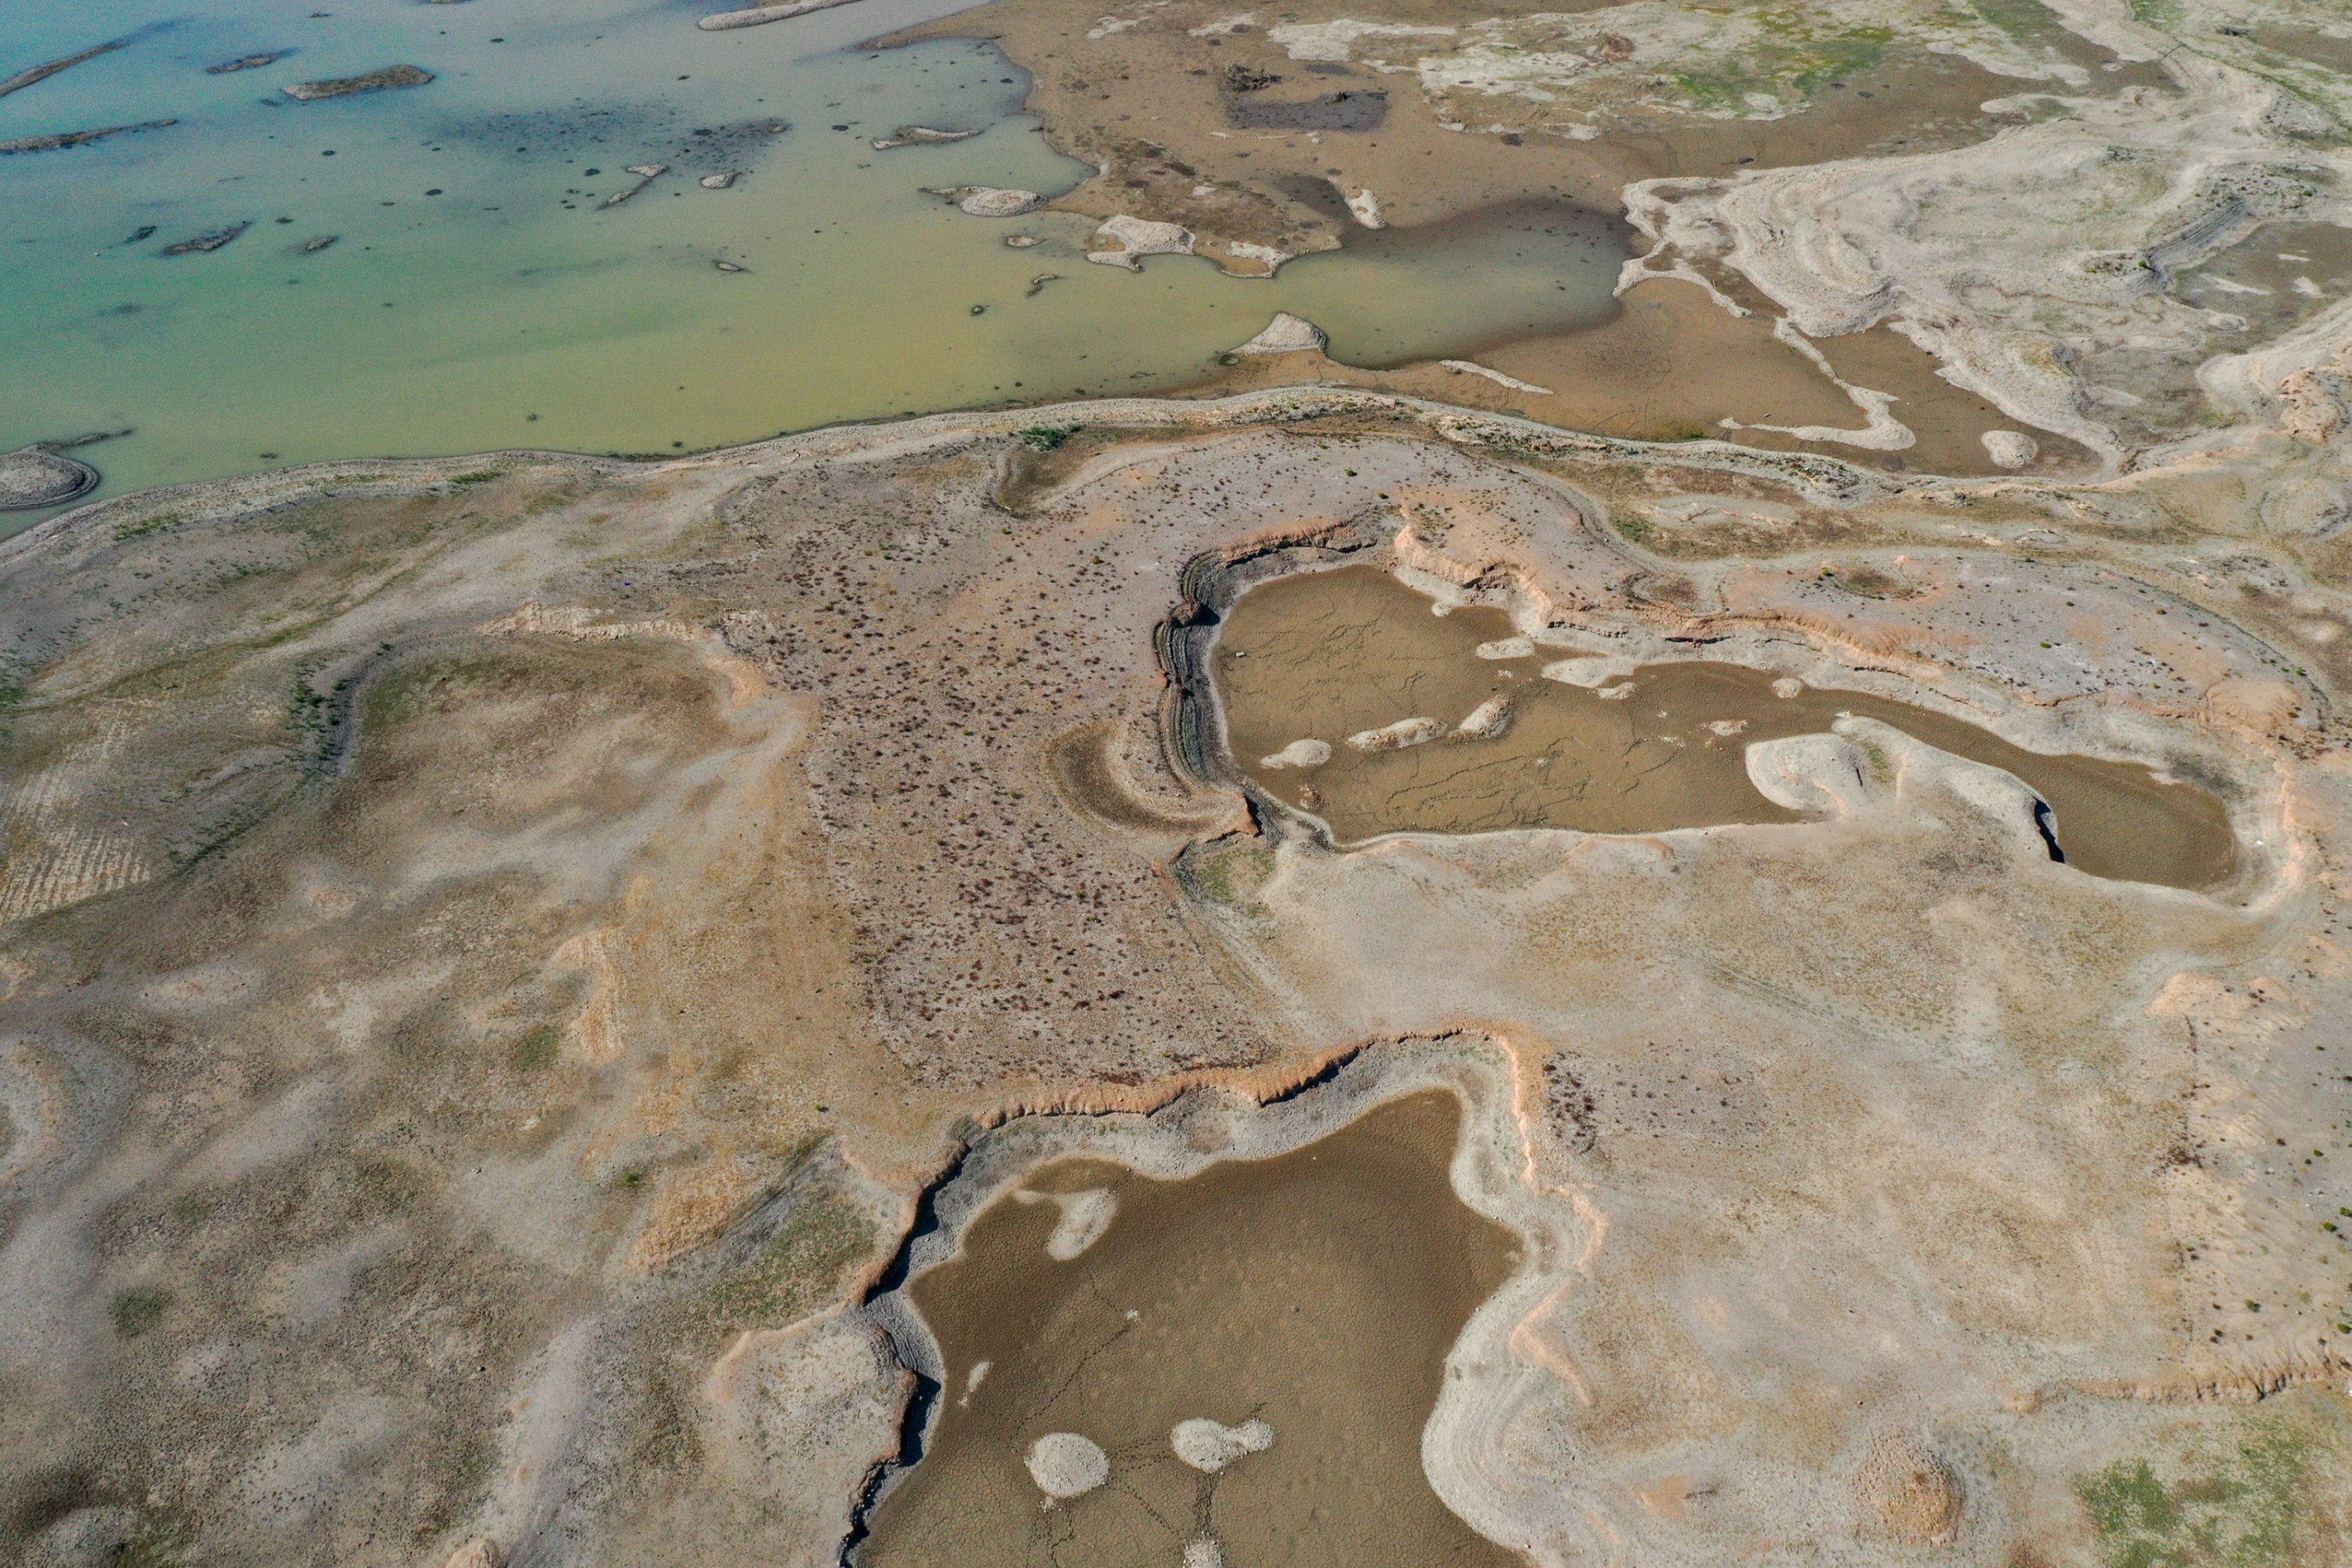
(1317, 1292)
(1351, 654)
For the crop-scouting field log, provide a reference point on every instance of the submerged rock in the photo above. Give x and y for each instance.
(206, 242)
(1304, 753)
(721, 181)
(720, 21)
(31, 74)
(1472, 367)
(248, 62)
(35, 475)
(1084, 1216)
(1488, 720)
(919, 136)
(371, 82)
(50, 143)
(646, 174)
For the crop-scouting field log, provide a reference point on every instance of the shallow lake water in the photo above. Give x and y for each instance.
(1303, 1305)
(477, 294)
(1325, 656)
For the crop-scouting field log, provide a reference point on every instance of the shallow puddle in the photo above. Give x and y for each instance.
(1303, 1305)
(1305, 662)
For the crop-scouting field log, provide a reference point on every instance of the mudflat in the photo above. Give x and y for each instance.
(1316, 1293)
(1341, 658)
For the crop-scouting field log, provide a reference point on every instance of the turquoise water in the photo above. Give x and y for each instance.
(477, 298)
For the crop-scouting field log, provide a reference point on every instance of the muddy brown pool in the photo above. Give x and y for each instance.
(1322, 657)
(1303, 1305)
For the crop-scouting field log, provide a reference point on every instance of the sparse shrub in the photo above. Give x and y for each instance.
(1046, 438)
(136, 1311)
(796, 1270)
(1234, 876)
(145, 525)
(534, 1050)
(158, 1543)
(2242, 1512)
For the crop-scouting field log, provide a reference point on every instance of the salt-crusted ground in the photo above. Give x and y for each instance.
(496, 950)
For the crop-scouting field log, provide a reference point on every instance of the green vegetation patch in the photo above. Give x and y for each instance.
(798, 1270)
(534, 1050)
(141, 527)
(1842, 55)
(667, 1441)
(306, 710)
(1046, 438)
(2247, 1505)
(1234, 876)
(420, 687)
(1791, 65)
(157, 1544)
(136, 1311)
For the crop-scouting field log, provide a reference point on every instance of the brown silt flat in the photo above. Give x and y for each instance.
(1350, 652)
(1317, 1293)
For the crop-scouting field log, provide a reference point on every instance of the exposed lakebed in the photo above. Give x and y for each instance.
(1231, 1368)
(1306, 664)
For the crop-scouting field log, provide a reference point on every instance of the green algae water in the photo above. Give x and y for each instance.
(432, 269)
